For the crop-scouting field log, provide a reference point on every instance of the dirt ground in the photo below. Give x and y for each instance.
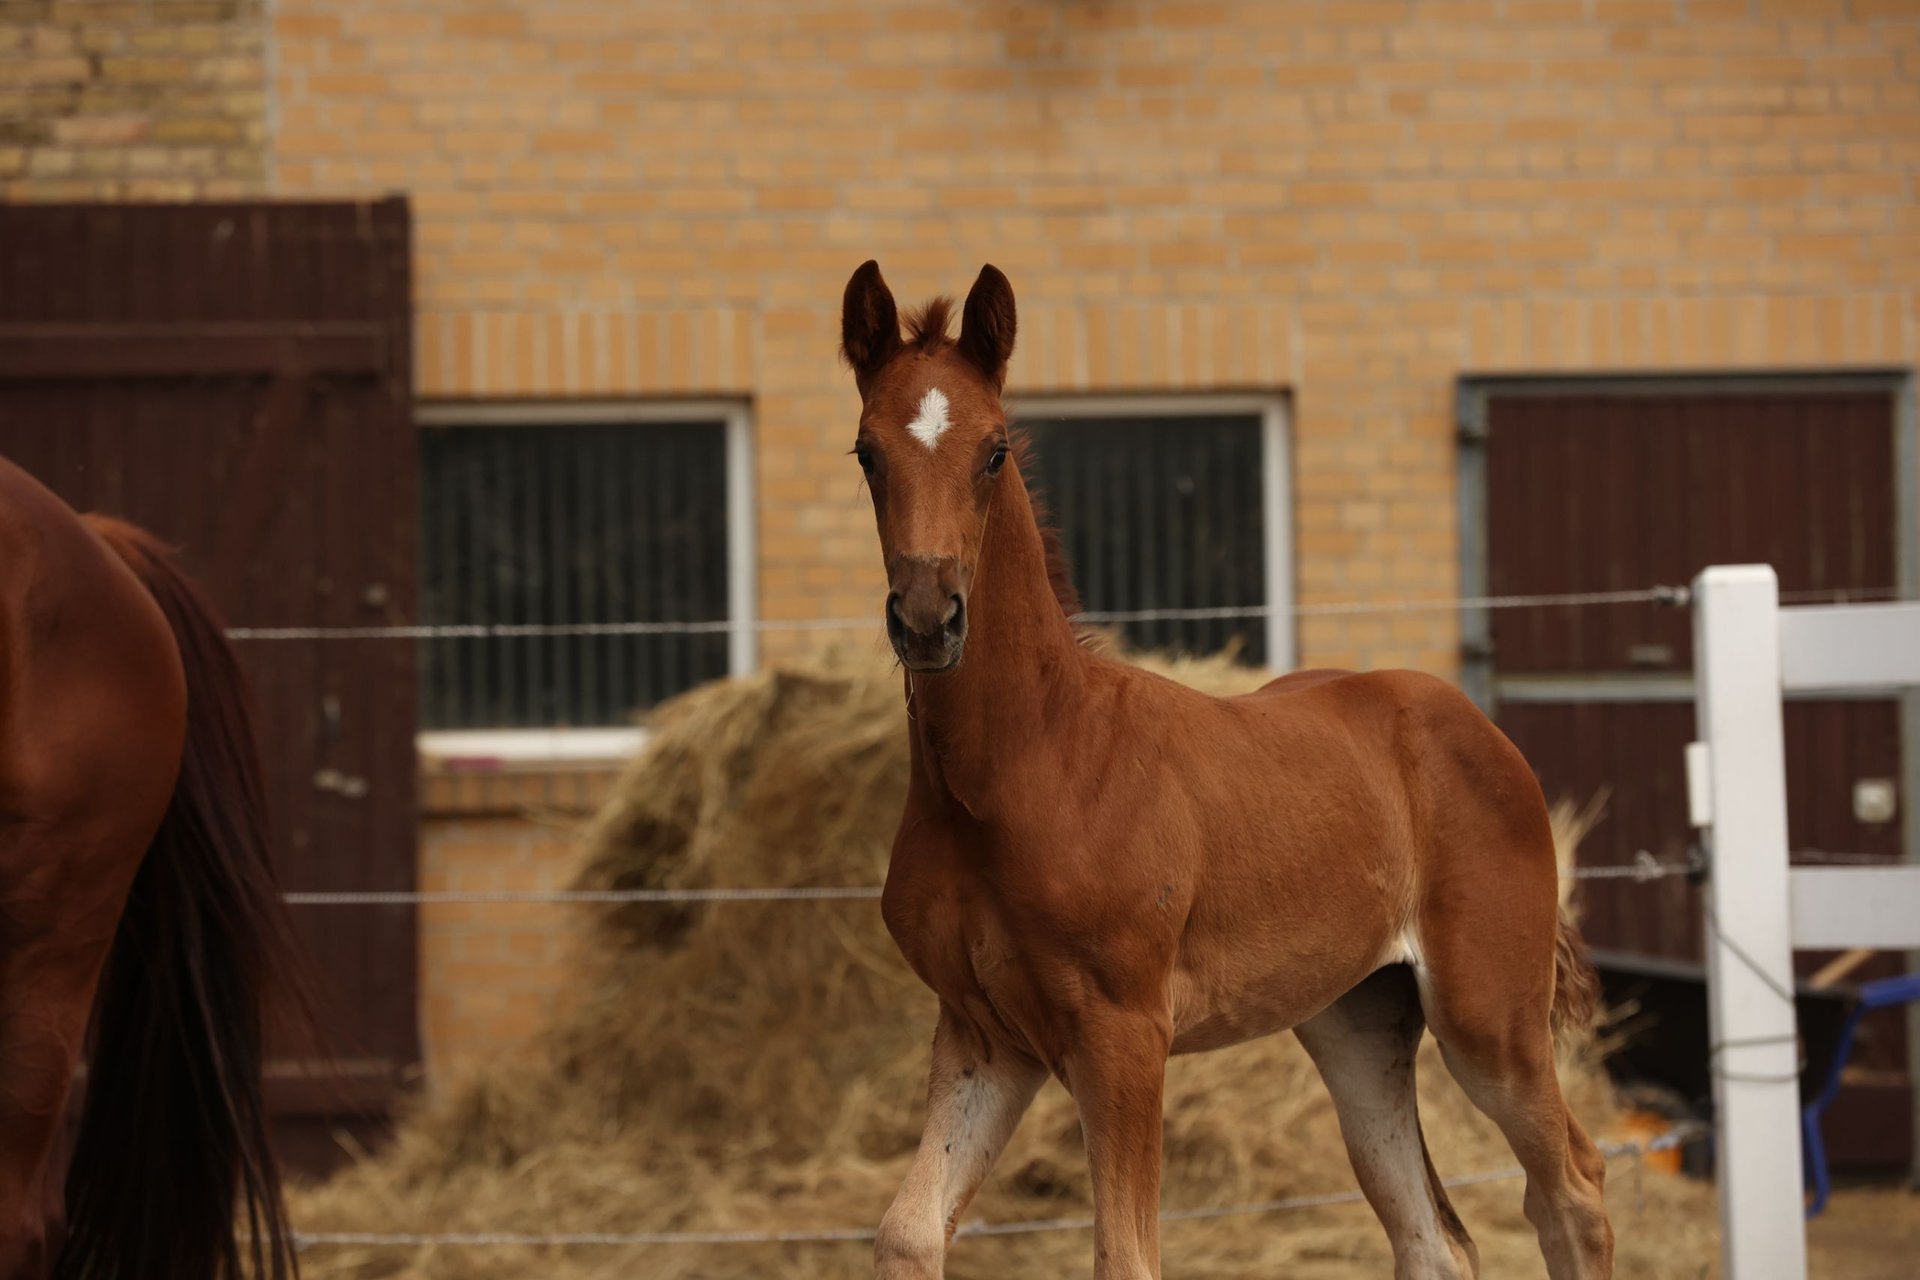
(1866, 1234)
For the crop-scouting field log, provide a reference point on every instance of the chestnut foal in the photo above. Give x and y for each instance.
(1098, 867)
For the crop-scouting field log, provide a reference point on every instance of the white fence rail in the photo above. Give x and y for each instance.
(1749, 653)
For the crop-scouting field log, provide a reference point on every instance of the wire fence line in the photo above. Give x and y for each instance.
(1641, 870)
(1645, 867)
(1667, 595)
(1673, 596)
(402, 897)
(1663, 595)
(1676, 1136)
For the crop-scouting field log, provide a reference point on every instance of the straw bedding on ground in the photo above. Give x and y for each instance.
(761, 1065)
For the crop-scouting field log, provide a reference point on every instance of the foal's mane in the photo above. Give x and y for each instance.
(1059, 568)
(927, 324)
(926, 332)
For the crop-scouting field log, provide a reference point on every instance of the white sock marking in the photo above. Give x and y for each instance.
(932, 418)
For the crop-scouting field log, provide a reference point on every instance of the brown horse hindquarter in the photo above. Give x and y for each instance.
(92, 718)
(136, 896)
(1097, 868)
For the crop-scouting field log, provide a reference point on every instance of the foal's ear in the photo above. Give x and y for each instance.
(869, 324)
(987, 324)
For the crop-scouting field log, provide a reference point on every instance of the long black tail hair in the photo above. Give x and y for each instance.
(172, 1177)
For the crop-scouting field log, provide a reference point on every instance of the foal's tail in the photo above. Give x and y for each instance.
(1576, 987)
(173, 1139)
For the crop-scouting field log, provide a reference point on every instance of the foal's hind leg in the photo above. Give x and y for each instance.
(1516, 1087)
(1491, 1018)
(1364, 1046)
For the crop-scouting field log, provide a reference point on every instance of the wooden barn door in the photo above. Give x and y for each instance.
(236, 378)
(1611, 487)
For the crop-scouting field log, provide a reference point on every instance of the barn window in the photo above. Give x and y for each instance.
(1174, 504)
(568, 514)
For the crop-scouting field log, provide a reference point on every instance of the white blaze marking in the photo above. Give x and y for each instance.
(932, 419)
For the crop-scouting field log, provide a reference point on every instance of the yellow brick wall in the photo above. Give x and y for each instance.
(1357, 201)
(147, 99)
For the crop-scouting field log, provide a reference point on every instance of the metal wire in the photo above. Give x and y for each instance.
(1741, 954)
(1677, 597)
(507, 630)
(1567, 599)
(468, 1239)
(512, 630)
(1676, 1136)
(1802, 857)
(1643, 868)
(401, 897)
(1639, 871)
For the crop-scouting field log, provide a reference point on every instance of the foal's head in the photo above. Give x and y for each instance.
(933, 443)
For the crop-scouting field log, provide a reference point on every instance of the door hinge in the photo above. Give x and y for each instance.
(1470, 415)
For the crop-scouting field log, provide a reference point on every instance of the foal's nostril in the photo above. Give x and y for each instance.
(893, 608)
(955, 608)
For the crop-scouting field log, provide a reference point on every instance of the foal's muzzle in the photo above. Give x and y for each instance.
(927, 613)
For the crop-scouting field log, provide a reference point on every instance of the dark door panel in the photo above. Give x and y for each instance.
(1613, 488)
(235, 377)
(1614, 492)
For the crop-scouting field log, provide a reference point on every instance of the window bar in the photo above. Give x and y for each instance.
(589, 590)
(562, 528)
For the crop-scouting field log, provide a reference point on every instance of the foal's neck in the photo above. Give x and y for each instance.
(1022, 671)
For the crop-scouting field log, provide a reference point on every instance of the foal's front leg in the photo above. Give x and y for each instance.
(1117, 1072)
(974, 1100)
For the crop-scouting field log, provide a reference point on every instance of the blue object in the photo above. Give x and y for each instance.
(1872, 995)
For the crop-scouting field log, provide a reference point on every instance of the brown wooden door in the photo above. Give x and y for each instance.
(1601, 489)
(236, 378)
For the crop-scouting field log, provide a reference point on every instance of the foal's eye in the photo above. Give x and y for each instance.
(997, 460)
(865, 456)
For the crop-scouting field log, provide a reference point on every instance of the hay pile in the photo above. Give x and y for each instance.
(762, 1065)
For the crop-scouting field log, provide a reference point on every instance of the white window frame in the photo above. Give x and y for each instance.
(507, 748)
(1276, 476)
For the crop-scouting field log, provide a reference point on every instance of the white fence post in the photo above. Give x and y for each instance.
(1754, 1056)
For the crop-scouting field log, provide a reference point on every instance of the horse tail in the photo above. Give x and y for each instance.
(173, 1138)
(1576, 987)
